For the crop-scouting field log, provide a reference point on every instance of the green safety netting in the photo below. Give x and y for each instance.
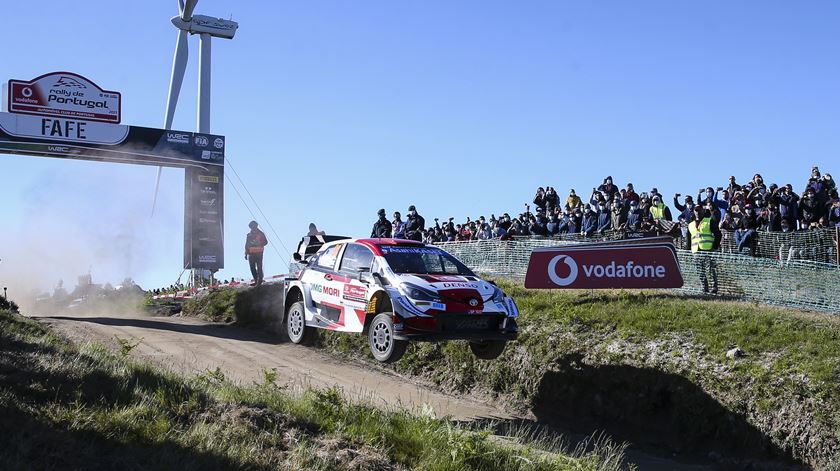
(795, 280)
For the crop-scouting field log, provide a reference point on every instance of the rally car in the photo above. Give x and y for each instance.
(396, 291)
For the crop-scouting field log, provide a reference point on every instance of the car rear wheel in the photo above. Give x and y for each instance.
(296, 327)
(383, 345)
(488, 349)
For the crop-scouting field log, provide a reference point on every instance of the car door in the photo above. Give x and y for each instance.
(324, 285)
(354, 291)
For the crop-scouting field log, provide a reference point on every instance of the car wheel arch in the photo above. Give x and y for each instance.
(380, 302)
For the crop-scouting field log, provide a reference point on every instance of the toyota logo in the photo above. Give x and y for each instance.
(562, 280)
(473, 302)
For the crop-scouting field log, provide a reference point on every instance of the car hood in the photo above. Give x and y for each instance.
(451, 284)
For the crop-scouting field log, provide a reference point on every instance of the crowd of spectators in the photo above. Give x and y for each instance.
(742, 209)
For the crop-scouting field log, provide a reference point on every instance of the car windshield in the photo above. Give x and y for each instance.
(423, 260)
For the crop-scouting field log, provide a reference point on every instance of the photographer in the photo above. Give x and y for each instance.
(552, 200)
(539, 198)
(608, 189)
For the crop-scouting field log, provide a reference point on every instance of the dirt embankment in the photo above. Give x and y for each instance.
(668, 392)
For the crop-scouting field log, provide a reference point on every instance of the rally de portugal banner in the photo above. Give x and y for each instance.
(65, 115)
(602, 266)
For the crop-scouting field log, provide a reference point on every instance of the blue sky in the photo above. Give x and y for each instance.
(333, 109)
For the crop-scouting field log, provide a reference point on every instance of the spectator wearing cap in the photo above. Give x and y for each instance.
(382, 226)
(608, 189)
(552, 227)
(415, 225)
(573, 201)
(686, 210)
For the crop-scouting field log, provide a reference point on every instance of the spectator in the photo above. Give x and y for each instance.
(834, 213)
(634, 217)
(733, 186)
(608, 189)
(705, 196)
(539, 198)
(810, 209)
(704, 240)
(498, 231)
(590, 221)
(415, 225)
(745, 234)
(552, 228)
(382, 226)
(630, 195)
(573, 201)
(604, 218)
(537, 227)
(552, 200)
(505, 222)
(398, 226)
(722, 202)
(658, 210)
(618, 215)
(484, 232)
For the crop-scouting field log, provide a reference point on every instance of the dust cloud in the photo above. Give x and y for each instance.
(80, 238)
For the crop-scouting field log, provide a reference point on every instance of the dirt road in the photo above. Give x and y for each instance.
(191, 346)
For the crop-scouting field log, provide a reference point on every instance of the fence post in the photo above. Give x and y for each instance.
(837, 244)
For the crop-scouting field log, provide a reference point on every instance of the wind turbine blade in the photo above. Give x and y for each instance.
(181, 8)
(157, 186)
(189, 6)
(179, 65)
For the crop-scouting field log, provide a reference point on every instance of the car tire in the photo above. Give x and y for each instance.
(296, 327)
(488, 349)
(384, 347)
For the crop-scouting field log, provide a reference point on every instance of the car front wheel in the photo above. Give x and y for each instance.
(488, 349)
(296, 327)
(383, 345)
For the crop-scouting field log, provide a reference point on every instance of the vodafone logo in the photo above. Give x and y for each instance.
(605, 266)
(562, 280)
(27, 92)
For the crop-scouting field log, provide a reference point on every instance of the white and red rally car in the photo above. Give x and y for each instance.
(395, 291)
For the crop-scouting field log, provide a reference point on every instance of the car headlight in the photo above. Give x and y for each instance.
(498, 295)
(418, 294)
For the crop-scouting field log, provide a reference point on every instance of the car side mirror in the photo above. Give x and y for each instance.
(364, 274)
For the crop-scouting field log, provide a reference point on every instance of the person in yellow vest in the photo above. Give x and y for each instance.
(255, 243)
(705, 239)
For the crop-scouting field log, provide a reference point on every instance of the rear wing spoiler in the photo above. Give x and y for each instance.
(309, 245)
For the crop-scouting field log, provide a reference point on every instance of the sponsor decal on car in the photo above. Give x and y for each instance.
(327, 290)
(458, 284)
(420, 250)
(355, 293)
(439, 306)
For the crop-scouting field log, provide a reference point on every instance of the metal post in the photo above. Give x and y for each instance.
(203, 111)
(5, 296)
(204, 84)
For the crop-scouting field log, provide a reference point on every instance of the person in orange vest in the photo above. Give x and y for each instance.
(255, 243)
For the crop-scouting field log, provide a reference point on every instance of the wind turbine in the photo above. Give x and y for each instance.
(206, 27)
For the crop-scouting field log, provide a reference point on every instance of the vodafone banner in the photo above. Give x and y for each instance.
(63, 94)
(599, 266)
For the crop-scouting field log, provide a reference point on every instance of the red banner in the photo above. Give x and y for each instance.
(635, 266)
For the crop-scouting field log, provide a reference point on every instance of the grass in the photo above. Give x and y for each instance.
(787, 387)
(69, 407)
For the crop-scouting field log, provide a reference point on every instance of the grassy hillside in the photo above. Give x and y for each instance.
(63, 407)
(652, 366)
(649, 365)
